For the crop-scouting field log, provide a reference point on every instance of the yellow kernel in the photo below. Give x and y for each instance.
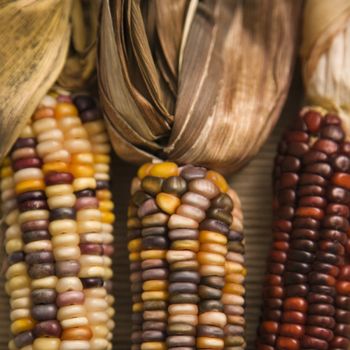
(153, 345)
(55, 167)
(22, 325)
(212, 237)
(107, 217)
(106, 205)
(64, 109)
(167, 202)
(164, 170)
(137, 307)
(6, 171)
(135, 245)
(218, 180)
(46, 343)
(79, 170)
(155, 285)
(103, 194)
(102, 158)
(234, 288)
(83, 158)
(155, 295)
(153, 254)
(144, 170)
(30, 185)
(134, 256)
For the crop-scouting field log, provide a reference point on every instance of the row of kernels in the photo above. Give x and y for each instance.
(63, 226)
(97, 135)
(18, 281)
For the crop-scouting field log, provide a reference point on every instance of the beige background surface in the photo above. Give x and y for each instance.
(253, 184)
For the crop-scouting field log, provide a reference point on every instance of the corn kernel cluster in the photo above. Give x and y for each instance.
(186, 260)
(307, 287)
(58, 217)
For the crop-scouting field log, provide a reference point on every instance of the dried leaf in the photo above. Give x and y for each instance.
(202, 83)
(79, 71)
(326, 55)
(33, 46)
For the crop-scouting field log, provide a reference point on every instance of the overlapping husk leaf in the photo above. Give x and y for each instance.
(326, 55)
(38, 39)
(195, 82)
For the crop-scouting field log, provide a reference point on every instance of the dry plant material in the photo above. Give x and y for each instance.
(195, 82)
(33, 46)
(186, 256)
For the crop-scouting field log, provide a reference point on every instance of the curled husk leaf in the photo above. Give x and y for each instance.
(79, 71)
(326, 56)
(195, 82)
(33, 46)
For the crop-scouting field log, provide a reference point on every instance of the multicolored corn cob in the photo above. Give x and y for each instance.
(186, 259)
(307, 287)
(57, 206)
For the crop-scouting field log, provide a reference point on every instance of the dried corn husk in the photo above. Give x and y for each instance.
(326, 55)
(33, 46)
(80, 67)
(195, 82)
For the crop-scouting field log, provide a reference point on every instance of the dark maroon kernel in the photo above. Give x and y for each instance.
(294, 266)
(312, 201)
(154, 242)
(285, 212)
(91, 248)
(288, 180)
(84, 102)
(299, 124)
(332, 270)
(327, 258)
(303, 233)
(331, 247)
(299, 290)
(282, 147)
(343, 302)
(319, 332)
(55, 178)
(342, 316)
(308, 342)
(303, 245)
(272, 315)
(327, 146)
(297, 149)
(341, 163)
(323, 169)
(312, 179)
(314, 157)
(35, 225)
(338, 195)
(316, 298)
(92, 282)
(306, 223)
(33, 205)
(50, 328)
(321, 309)
(282, 225)
(90, 115)
(310, 190)
(340, 343)
(286, 196)
(345, 148)
(85, 193)
(154, 231)
(214, 225)
(15, 258)
(334, 235)
(276, 268)
(291, 164)
(322, 321)
(342, 329)
(296, 136)
(102, 184)
(336, 223)
(333, 132)
(294, 278)
(321, 278)
(300, 255)
(331, 119)
(62, 213)
(24, 142)
(313, 121)
(281, 236)
(323, 290)
(31, 196)
(32, 162)
(338, 209)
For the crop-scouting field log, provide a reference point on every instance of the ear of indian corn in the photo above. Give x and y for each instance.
(62, 229)
(186, 259)
(306, 293)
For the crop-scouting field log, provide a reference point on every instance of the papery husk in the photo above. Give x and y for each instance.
(79, 72)
(33, 46)
(326, 56)
(203, 83)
